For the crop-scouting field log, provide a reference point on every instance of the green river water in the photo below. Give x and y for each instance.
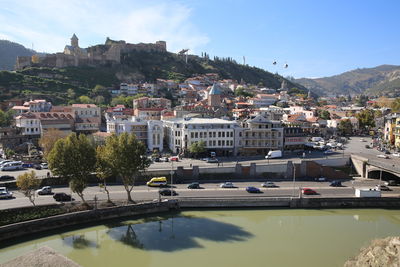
(220, 238)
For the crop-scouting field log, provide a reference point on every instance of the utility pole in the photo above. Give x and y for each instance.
(294, 177)
(172, 179)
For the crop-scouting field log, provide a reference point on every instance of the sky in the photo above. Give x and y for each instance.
(315, 38)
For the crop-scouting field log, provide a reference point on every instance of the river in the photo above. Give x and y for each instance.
(244, 237)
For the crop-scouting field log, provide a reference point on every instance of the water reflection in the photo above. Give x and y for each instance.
(78, 242)
(176, 233)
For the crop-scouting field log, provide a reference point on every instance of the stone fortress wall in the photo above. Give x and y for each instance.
(107, 53)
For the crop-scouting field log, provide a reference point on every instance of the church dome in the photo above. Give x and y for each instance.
(214, 90)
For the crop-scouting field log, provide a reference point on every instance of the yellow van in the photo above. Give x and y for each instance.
(157, 181)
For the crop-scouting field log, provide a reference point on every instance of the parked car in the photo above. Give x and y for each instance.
(44, 165)
(194, 185)
(167, 192)
(268, 184)
(4, 193)
(37, 167)
(336, 184)
(367, 146)
(227, 185)
(382, 188)
(252, 189)
(164, 159)
(321, 179)
(175, 158)
(309, 191)
(62, 197)
(212, 160)
(387, 152)
(396, 155)
(362, 140)
(6, 177)
(392, 183)
(328, 152)
(27, 165)
(45, 190)
(382, 156)
(156, 159)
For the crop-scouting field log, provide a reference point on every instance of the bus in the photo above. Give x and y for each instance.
(157, 181)
(12, 166)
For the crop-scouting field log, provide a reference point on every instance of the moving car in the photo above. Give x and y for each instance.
(194, 185)
(309, 191)
(336, 184)
(382, 156)
(273, 154)
(62, 197)
(6, 177)
(392, 183)
(396, 155)
(167, 192)
(12, 166)
(164, 159)
(4, 193)
(45, 190)
(268, 184)
(367, 146)
(321, 179)
(175, 158)
(362, 140)
(227, 185)
(252, 189)
(212, 160)
(156, 159)
(157, 181)
(382, 188)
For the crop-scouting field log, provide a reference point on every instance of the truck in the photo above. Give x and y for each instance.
(367, 192)
(273, 154)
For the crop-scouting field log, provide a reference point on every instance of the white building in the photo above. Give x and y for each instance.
(149, 132)
(218, 134)
(87, 117)
(38, 105)
(300, 110)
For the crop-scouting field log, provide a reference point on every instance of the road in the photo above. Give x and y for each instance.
(284, 189)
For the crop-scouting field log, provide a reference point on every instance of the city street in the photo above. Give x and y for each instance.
(284, 189)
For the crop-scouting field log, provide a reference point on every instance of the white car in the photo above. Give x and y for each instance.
(4, 193)
(227, 185)
(382, 156)
(396, 155)
(45, 190)
(268, 184)
(44, 165)
(362, 140)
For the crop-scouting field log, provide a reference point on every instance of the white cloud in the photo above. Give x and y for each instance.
(49, 24)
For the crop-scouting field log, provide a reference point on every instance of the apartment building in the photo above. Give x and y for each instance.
(218, 134)
(38, 105)
(150, 132)
(87, 118)
(261, 135)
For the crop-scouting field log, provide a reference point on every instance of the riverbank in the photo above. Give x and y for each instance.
(88, 216)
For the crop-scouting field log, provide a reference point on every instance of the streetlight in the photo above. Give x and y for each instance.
(172, 179)
(294, 177)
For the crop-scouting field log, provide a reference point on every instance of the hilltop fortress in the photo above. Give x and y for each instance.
(73, 55)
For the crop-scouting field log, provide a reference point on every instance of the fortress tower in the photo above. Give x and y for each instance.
(74, 41)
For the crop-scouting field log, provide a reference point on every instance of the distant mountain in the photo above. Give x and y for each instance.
(381, 80)
(9, 52)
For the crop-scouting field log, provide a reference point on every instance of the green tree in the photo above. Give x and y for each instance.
(103, 168)
(366, 119)
(74, 158)
(9, 152)
(71, 93)
(197, 148)
(27, 184)
(101, 91)
(126, 158)
(240, 91)
(324, 114)
(345, 127)
(83, 99)
(6, 118)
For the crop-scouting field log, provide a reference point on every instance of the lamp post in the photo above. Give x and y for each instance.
(172, 179)
(294, 177)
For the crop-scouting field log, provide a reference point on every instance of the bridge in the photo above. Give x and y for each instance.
(368, 166)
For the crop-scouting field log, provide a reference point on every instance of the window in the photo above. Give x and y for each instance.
(201, 134)
(210, 143)
(210, 134)
(214, 142)
(223, 142)
(196, 135)
(223, 134)
(219, 142)
(192, 135)
(219, 134)
(214, 134)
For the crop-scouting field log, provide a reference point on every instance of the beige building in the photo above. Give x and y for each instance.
(261, 135)
(88, 118)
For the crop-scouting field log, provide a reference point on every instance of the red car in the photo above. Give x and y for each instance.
(309, 191)
(174, 158)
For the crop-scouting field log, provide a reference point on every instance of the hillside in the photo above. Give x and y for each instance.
(135, 67)
(381, 80)
(9, 52)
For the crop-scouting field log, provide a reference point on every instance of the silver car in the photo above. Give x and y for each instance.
(227, 185)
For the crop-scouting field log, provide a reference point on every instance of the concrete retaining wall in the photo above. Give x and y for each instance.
(334, 162)
(59, 221)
